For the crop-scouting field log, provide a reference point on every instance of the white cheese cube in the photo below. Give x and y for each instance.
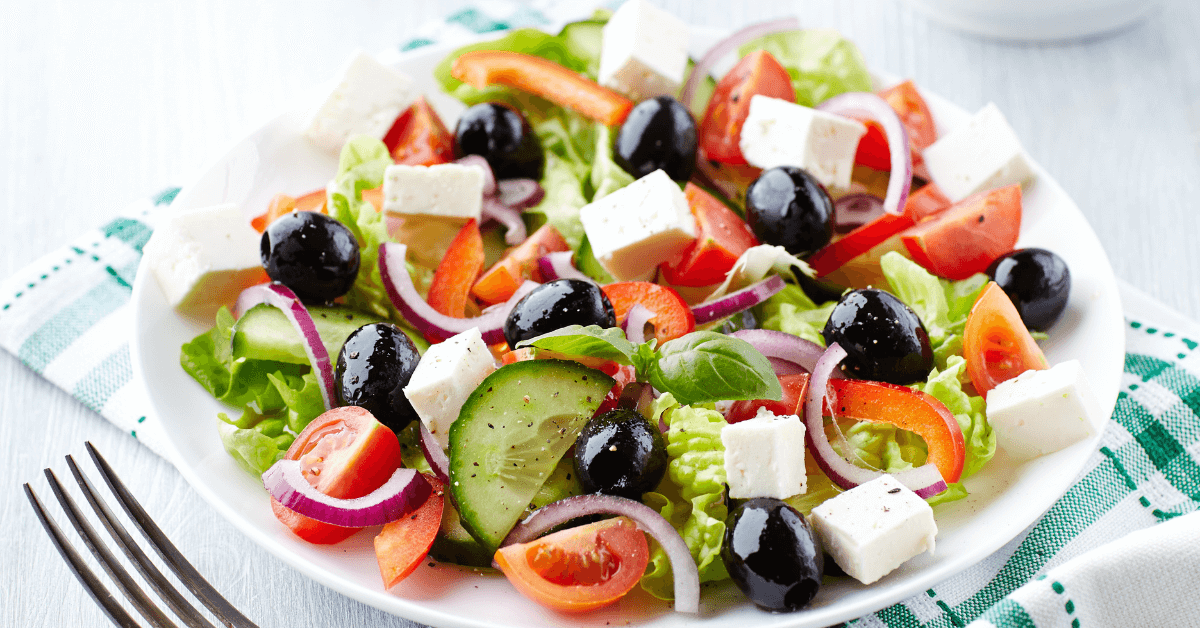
(639, 226)
(874, 527)
(780, 133)
(764, 456)
(446, 375)
(644, 52)
(368, 98)
(1041, 412)
(203, 258)
(981, 155)
(444, 190)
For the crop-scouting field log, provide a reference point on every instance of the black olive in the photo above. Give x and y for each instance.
(503, 137)
(772, 555)
(1037, 281)
(373, 368)
(620, 453)
(786, 206)
(313, 254)
(557, 304)
(742, 320)
(883, 338)
(659, 133)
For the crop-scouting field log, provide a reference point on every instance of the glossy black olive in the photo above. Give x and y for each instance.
(788, 207)
(1037, 281)
(500, 135)
(620, 453)
(313, 254)
(742, 320)
(883, 338)
(772, 555)
(659, 133)
(373, 368)
(557, 304)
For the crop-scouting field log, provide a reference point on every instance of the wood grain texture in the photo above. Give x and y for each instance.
(101, 103)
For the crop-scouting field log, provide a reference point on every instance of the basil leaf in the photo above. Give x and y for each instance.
(705, 366)
(592, 341)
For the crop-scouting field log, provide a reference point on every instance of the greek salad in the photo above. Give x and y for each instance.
(629, 321)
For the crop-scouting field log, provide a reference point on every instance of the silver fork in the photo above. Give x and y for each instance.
(146, 607)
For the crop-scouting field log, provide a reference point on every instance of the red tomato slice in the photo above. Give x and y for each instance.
(721, 238)
(926, 202)
(721, 128)
(402, 544)
(418, 137)
(283, 204)
(672, 316)
(794, 389)
(346, 454)
(873, 149)
(518, 264)
(451, 286)
(914, 113)
(996, 344)
(966, 238)
(907, 409)
(578, 569)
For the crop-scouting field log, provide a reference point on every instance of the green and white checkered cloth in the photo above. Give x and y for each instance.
(1116, 550)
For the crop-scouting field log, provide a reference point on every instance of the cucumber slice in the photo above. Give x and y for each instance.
(583, 40)
(510, 435)
(264, 333)
(455, 545)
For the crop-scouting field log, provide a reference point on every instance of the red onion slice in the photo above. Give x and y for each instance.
(519, 193)
(558, 265)
(489, 179)
(784, 367)
(738, 301)
(514, 228)
(728, 45)
(280, 296)
(437, 459)
(925, 481)
(855, 210)
(778, 345)
(404, 492)
(417, 311)
(865, 105)
(687, 576)
(635, 323)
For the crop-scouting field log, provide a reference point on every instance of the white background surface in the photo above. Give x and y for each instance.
(102, 103)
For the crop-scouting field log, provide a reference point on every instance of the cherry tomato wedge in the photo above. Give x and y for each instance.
(966, 238)
(907, 409)
(906, 101)
(283, 204)
(721, 238)
(578, 569)
(451, 286)
(402, 544)
(794, 389)
(346, 453)
(545, 78)
(721, 127)
(996, 344)
(418, 137)
(520, 263)
(672, 316)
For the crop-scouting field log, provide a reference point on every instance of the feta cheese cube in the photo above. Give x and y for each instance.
(204, 258)
(444, 190)
(764, 456)
(444, 378)
(874, 528)
(639, 226)
(368, 98)
(981, 155)
(780, 133)
(1041, 412)
(644, 52)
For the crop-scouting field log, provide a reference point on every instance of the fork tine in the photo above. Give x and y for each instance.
(133, 592)
(85, 576)
(181, 607)
(224, 611)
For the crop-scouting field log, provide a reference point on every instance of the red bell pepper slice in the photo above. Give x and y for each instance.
(453, 278)
(672, 316)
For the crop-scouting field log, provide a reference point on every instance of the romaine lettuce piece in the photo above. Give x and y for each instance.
(821, 62)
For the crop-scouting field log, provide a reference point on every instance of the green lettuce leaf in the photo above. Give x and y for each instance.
(606, 176)
(691, 497)
(361, 166)
(942, 305)
(821, 62)
(968, 410)
(564, 197)
(794, 312)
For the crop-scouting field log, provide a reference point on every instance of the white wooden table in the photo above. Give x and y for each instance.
(102, 103)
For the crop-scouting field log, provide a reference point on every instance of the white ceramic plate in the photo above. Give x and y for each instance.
(1005, 498)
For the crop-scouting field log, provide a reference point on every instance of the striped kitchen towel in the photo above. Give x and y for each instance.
(1119, 549)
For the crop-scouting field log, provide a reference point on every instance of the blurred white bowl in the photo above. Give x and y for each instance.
(1035, 20)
